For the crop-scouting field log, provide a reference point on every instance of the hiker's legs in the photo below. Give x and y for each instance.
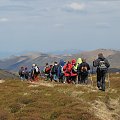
(74, 79)
(61, 79)
(86, 79)
(55, 77)
(22, 78)
(98, 80)
(103, 81)
(82, 78)
(35, 77)
(79, 79)
(51, 77)
(68, 79)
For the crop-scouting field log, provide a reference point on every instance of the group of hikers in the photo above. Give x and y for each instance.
(75, 71)
(31, 75)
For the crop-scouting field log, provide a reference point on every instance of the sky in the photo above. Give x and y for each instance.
(49, 25)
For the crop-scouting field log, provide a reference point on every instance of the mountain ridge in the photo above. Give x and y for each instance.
(27, 59)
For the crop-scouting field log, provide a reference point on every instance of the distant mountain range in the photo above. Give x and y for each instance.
(15, 62)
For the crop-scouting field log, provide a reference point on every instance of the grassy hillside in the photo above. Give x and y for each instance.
(51, 101)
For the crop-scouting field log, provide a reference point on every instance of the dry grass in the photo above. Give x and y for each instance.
(52, 101)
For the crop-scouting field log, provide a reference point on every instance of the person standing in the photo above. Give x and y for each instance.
(60, 71)
(83, 70)
(26, 73)
(54, 72)
(79, 61)
(74, 72)
(102, 65)
(35, 71)
(67, 71)
(22, 73)
(47, 70)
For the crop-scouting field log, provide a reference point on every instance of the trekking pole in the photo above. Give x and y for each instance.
(91, 79)
(92, 75)
(108, 77)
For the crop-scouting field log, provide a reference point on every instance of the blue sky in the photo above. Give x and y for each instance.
(49, 25)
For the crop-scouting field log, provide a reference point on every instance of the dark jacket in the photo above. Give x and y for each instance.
(97, 62)
(54, 69)
(84, 64)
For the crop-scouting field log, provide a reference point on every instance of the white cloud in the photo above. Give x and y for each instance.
(3, 19)
(76, 6)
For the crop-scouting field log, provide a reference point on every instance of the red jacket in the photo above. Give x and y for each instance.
(67, 69)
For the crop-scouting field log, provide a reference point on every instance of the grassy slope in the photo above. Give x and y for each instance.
(50, 101)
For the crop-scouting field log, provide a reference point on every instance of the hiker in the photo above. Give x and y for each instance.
(54, 72)
(60, 71)
(83, 70)
(79, 61)
(51, 76)
(35, 71)
(74, 72)
(67, 71)
(47, 70)
(22, 73)
(102, 65)
(26, 73)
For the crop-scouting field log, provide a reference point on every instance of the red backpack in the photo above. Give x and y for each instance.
(47, 70)
(68, 68)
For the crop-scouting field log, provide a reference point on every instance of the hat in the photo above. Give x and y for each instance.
(33, 65)
(73, 61)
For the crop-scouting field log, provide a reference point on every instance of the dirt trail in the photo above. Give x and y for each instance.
(107, 111)
(2, 81)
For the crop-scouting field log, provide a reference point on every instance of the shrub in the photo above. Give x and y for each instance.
(15, 107)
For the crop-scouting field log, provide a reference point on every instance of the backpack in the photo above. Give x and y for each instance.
(54, 69)
(68, 70)
(47, 70)
(21, 72)
(84, 69)
(102, 65)
(36, 70)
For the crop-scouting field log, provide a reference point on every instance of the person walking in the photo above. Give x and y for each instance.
(47, 70)
(83, 70)
(26, 73)
(35, 71)
(67, 71)
(22, 73)
(102, 65)
(60, 71)
(54, 72)
(74, 72)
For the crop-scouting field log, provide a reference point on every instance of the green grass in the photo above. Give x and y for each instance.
(19, 101)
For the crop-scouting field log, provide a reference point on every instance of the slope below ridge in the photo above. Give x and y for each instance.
(114, 60)
(6, 75)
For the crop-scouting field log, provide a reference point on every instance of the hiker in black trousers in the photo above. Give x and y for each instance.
(102, 65)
